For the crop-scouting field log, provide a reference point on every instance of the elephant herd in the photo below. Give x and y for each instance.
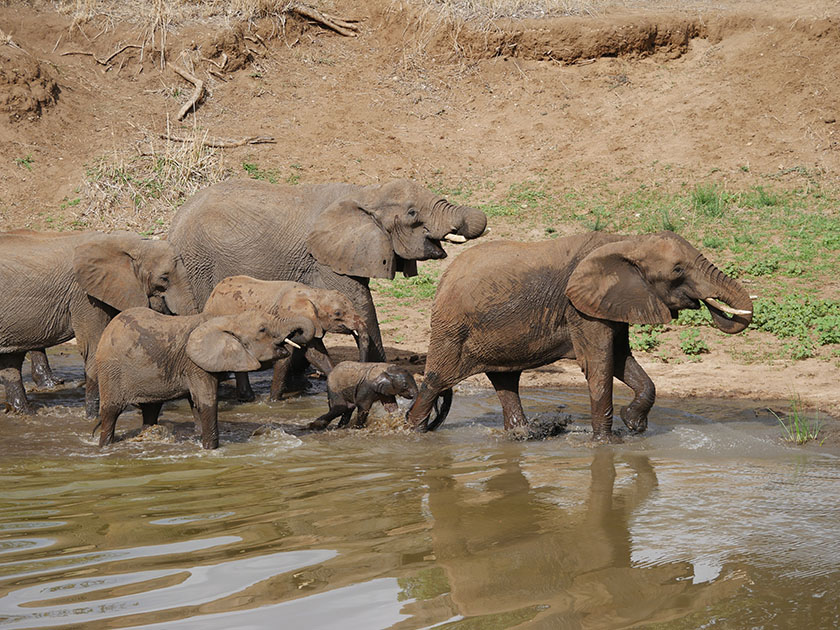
(252, 274)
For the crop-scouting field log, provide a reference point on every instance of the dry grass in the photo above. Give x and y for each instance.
(140, 191)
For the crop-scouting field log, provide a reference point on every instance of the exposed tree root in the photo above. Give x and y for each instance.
(221, 143)
(103, 62)
(342, 26)
(197, 94)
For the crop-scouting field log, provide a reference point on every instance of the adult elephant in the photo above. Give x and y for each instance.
(55, 288)
(503, 307)
(333, 236)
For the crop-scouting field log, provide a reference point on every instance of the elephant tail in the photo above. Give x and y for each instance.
(439, 410)
(96, 426)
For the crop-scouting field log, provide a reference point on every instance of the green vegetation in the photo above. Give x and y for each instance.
(797, 428)
(645, 338)
(272, 176)
(691, 343)
(25, 162)
(414, 289)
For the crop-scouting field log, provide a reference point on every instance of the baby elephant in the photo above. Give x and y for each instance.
(353, 385)
(145, 358)
(330, 311)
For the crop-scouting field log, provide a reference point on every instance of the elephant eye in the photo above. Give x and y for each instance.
(412, 212)
(262, 330)
(678, 270)
(337, 314)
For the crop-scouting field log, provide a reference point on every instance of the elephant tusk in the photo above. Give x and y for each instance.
(355, 333)
(455, 238)
(291, 343)
(726, 309)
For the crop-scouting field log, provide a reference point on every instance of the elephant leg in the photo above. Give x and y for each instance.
(280, 378)
(506, 385)
(244, 393)
(10, 376)
(322, 422)
(628, 371)
(345, 417)
(108, 415)
(204, 396)
(317, 355)
(41, 372)
(151, 413)
(356, 289)
(91, 390)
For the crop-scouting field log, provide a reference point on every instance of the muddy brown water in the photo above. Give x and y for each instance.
(708, 520)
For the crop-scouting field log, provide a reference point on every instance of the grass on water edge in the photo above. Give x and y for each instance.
(797, 428)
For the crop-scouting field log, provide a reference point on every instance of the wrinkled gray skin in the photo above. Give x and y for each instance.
(503, 307)
(330, 311)
(331, 236)
(353, 385)
(60, 286)
(42, 374)
(145, 358)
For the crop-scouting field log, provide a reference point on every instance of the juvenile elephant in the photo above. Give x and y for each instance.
(57, 287)
(353, 385)
(333, 236)
(330, 311)
(503, 307)
(145, 358)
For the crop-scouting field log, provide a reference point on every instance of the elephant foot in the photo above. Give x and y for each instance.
(246, 396)
(47, 381)
(606, 438)
(20, 408)
(318, 425)
(634, 419)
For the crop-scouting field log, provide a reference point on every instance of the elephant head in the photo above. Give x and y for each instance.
(124, 270)
(395, 381)
(375, 231)
(330, 311)
(649, 279)
(240, 343)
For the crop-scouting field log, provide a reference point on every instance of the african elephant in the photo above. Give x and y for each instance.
(42, 374)
(56, 288)
(332, 236)
(353, 385)
(146, 358)
(503, 307)
(330, 311)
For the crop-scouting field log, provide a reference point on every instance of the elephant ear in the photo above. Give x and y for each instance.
(299, 304)
(351, 242)
(607, 284)
(214, 347)
(104, 268)
(383, 384)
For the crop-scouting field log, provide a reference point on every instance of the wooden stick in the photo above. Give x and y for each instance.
(221, 143)
(197, 94)
(103, 62)
(342, 26)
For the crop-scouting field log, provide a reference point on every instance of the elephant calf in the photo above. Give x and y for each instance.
(353, 385)
(145, 358)
(330, 311)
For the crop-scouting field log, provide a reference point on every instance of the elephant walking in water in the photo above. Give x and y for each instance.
(58, 287)
(331, 236)
(504, 307)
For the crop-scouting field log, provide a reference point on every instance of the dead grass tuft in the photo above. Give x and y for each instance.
(141, 191)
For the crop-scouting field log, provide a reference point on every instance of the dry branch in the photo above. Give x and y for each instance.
(103, 62)
(197, 94)
(343, 26)
(221, 143)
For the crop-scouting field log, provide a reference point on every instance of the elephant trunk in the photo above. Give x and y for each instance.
(724, 296)
(460, 222)
(297, 331)
(360, 334)
(179, 296)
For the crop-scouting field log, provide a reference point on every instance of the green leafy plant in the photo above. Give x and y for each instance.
(255, 172)
(645, 338)
(691, 343)
(797, 428)
(708, 200)
(25, 162)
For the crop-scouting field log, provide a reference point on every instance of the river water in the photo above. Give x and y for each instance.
(709, 520)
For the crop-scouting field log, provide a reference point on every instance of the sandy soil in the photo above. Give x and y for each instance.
(660, 97)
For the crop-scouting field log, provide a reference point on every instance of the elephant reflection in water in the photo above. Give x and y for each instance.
(507, 552)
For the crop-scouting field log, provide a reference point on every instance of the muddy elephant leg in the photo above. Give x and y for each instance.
(12, 380)
(418, 417)
(41, 372)
(628, 371)
(244, 393)
(345, 417)
(506, 385)
(280, 378)
(151, 413)
(108, 415)
(204, 396)
(322, 422)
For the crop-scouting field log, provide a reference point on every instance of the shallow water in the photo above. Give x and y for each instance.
(708, 520)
